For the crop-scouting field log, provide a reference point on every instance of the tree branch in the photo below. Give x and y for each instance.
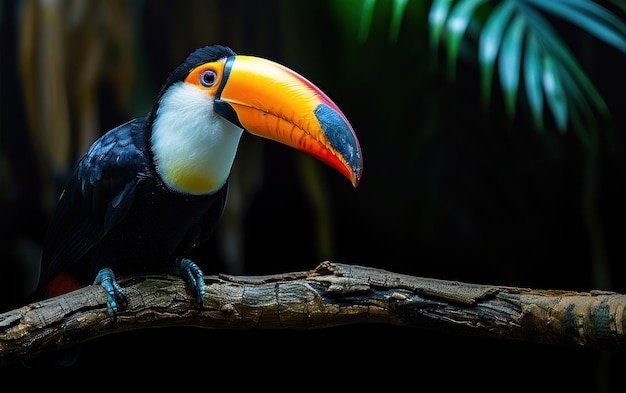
(332, 294)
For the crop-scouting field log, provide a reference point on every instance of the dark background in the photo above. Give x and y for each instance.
(450, 189)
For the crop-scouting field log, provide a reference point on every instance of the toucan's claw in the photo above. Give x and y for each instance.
(192, 275)
(115, 293)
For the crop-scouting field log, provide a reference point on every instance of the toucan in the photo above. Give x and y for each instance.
(150, 190)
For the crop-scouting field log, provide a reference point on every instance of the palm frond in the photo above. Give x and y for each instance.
(489, 45)
(453, 20)
(589, 16)
(367, 13)
(518, 42)
(398, 8)
(437, 17)
(533, 78)
(519, 39)
(509, 64)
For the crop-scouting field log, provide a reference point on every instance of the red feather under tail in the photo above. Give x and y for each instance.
(61, 284)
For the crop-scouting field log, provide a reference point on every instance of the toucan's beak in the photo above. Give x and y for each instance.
(274, 102)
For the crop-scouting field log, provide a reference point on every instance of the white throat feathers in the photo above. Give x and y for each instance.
(193, 147)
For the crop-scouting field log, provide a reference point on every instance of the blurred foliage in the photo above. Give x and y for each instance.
(444, 96)
(68, 50)
(519, 37)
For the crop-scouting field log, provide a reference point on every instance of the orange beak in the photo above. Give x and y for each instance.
(274, 102)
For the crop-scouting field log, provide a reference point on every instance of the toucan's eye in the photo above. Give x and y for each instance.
(208, 78)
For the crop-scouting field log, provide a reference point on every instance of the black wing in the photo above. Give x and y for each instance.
(97, 197)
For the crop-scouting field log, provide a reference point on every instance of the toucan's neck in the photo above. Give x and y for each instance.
(193, 148)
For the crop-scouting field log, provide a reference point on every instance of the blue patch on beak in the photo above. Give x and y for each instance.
(339, 135)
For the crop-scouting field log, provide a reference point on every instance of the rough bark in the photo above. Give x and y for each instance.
(331, 295)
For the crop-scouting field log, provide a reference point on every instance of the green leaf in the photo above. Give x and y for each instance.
(399, 6)
(555, 47)
(367, 11)
(590, 17)
(489, 44)
(532, 79)
(509, 62)
(437, 17)
(518, 37)
(456, 25)
(555, 96)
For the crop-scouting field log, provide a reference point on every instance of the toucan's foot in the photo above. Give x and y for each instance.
(115, 293)
(192, 275)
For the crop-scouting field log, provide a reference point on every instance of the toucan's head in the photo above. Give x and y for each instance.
(215, 94)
